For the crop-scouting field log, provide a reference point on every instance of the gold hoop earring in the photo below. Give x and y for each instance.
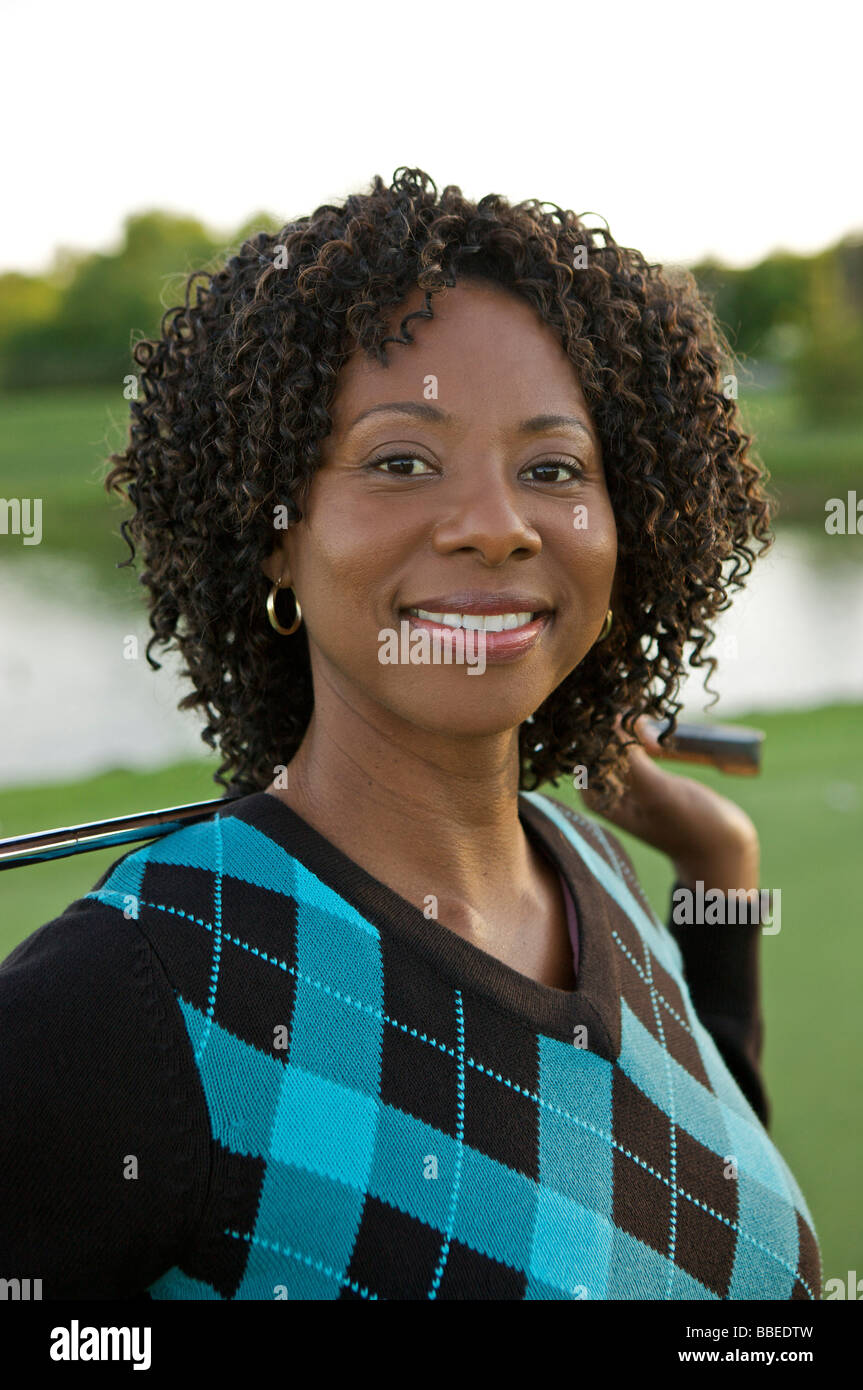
(606, 626)
(271, 611)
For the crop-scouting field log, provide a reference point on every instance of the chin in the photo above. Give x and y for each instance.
(462, 717)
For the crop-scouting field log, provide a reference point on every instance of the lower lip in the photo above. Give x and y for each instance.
(499, 646)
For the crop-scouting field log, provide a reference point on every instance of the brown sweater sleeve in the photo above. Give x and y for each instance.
(104, 1139)
(722, 968)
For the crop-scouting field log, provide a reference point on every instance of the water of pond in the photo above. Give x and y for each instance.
(72, 704)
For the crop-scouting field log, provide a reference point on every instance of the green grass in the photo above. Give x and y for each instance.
(808, 463)
(808, 806)
(55, 445)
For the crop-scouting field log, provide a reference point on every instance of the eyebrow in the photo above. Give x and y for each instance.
(536, 424)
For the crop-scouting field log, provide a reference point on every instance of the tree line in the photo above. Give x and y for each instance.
(76, 323)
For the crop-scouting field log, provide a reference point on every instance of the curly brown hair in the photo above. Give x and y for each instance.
(235, 404)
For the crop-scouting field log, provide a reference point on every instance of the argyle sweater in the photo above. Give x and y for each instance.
(243, 1068)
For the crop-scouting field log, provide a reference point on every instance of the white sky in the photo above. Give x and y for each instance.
(731, 128)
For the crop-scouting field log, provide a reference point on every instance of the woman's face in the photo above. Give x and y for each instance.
(476, 503)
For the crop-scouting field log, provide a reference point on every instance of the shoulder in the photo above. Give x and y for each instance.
(99, 934)
(95, 983)
(88, 939)
(88, 977)
(237, 841)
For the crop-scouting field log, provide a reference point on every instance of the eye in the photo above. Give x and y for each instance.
(395, 458)
(555, 465)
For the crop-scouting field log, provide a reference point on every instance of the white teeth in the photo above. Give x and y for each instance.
(476, 622)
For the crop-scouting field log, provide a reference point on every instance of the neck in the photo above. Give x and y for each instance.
(425, 812)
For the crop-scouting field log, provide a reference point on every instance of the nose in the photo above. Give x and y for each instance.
(485, 513)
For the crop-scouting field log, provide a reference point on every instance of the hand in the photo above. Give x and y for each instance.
(706, 836)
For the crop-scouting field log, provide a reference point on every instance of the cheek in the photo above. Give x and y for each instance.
(338, 564)
(592, 543)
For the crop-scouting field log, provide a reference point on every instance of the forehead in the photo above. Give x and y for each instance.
(484, 345)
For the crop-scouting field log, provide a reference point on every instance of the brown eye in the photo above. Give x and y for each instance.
(554, 466)
(396, 458)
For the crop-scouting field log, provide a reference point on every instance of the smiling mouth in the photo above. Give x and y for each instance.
(476, 622)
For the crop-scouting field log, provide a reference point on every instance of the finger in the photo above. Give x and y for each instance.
(646, 738)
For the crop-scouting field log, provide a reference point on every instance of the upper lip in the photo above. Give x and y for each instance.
(472, 601)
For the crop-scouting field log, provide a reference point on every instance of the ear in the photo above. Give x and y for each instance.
(276, 564)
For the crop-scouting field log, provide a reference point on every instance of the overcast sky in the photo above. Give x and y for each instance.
(727, 128)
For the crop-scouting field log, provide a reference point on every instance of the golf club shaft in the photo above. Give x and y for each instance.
(730, 748)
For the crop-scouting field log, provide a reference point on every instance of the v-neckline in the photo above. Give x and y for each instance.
(595, 1001)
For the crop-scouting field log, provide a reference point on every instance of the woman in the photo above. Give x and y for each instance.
(393, 1024)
